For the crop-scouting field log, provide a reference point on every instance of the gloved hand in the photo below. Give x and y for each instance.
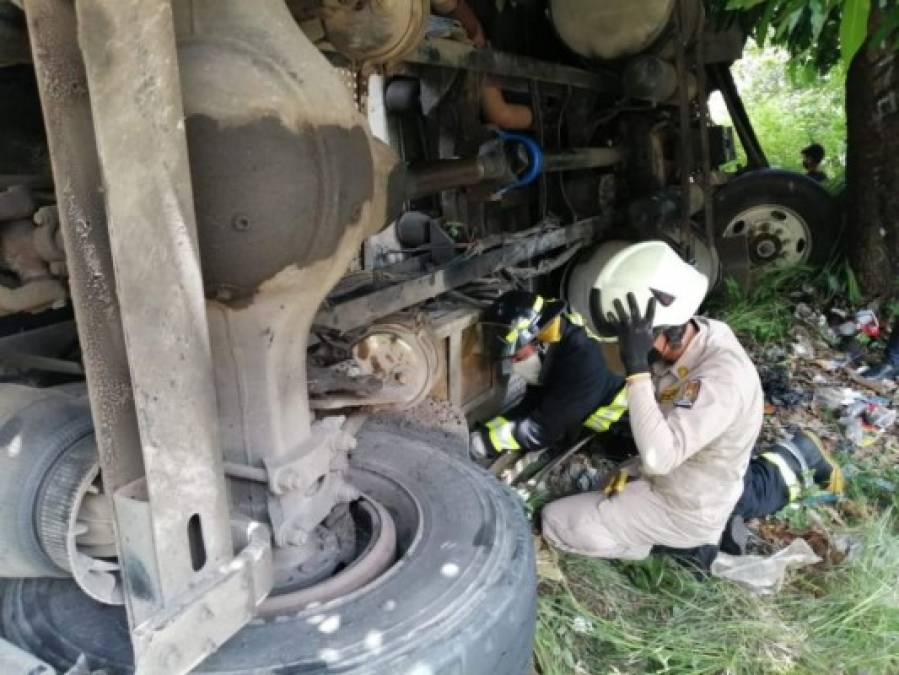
(615, 485)
(634, 332)
(615, 482)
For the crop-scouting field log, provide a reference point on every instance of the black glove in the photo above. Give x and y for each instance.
(635, 336)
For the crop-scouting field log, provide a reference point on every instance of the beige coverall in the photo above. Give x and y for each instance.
(694, 424)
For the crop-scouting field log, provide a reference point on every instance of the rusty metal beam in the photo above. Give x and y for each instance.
(360, 311)
(76, 172)
(453, 54)
(176, 548)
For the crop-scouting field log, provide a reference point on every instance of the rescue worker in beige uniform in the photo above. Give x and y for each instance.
(696, 408)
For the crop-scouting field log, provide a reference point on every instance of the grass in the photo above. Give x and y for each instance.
(655, 617)
(763, 313)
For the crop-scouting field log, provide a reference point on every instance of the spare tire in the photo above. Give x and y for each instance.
(787, 218)
(460, 599)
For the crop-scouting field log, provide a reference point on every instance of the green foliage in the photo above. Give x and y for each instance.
(789, 114)
(817, 33)
(761, 313)
(853, 28)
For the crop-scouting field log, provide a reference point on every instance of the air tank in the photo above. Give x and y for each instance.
(611, 29)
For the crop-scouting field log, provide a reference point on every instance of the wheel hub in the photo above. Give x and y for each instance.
(765, 248)
(777, 236)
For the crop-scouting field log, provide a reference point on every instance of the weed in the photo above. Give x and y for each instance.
(763, 312)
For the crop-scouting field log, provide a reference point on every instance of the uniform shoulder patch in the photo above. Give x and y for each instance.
(689, 394)
(682, 372)
(669, 394)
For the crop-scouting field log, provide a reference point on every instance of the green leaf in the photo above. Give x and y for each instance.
(765, 23)
(854, 28)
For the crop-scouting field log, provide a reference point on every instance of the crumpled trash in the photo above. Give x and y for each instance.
(867, 323)
(803, 347)
(778, 388)
(880, 416)
(836, 398)
(764, 575)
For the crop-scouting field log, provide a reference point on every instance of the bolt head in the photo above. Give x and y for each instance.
(297, 536)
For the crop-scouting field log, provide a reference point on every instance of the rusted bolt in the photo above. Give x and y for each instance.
(240, 222)
(297, 536)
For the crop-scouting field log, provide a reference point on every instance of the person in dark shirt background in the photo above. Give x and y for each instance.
(812, 157)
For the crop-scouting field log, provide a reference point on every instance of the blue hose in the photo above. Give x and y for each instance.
(535, 155)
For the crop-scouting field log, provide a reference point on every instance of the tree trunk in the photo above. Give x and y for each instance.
(872, 110)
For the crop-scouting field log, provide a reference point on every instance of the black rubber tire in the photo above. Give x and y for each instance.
(797, 192)
(461, 600)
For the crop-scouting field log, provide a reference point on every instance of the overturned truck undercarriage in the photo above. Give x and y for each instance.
(277, 224)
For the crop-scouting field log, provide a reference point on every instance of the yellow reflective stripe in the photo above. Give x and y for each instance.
(552, 333)
(511, 336)
(538, 304)
(603, 418)
(787, 473)
(575, 318)
(500, 433)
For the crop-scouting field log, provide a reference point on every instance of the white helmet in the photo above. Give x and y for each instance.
(652, 269)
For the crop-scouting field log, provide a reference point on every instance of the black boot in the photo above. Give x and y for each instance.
(698, 559)
(805, 451)
(735, 538)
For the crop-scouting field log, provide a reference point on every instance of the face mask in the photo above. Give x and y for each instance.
(529, 369)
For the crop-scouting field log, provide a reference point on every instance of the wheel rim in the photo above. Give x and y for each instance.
(776, 235)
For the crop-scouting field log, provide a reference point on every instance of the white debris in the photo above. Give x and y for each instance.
(331, 624)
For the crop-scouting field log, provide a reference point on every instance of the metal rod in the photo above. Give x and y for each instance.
(702, 93)
(755, 154)
(578, 159)
(685, 158)
(257, 474)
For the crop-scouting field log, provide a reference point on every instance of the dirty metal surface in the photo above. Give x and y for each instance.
(208, 614)
(360, 311)
(179, 539)
(453, 54)
(400, 355)
(70, 132)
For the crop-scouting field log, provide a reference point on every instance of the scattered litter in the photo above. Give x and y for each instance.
(778, 387)
(835, 398)
(764, 575)
(878, 415)
(779, 534)
(866, 322)
(802, 346)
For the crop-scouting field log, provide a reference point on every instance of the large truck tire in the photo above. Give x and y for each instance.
(788, 218)
(461, 598)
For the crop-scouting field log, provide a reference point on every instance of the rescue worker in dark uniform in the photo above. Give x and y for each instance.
(562, 362)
